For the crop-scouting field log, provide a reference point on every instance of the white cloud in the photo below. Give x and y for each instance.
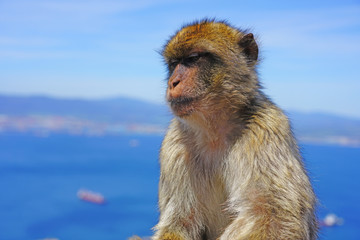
(151, 89)
(94, 7)
(42, 9)
(79, 16)
(7, 41)
(333, 97)
(325, 30)
(36, 55)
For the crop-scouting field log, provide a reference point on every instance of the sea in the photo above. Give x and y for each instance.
(40, 177)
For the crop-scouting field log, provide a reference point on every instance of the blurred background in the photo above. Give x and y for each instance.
(82, 110)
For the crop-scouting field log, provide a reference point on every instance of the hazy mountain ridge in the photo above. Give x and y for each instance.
(120, 109)
(117, 115)
(325, 128)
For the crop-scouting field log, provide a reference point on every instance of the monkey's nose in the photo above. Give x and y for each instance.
(174, 83)
(175, 88)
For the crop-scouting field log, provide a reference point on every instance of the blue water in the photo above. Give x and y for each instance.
(39, 178)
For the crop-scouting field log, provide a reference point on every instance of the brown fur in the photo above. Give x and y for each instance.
(230, 167)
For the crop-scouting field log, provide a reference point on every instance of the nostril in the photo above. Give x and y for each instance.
(175, 83)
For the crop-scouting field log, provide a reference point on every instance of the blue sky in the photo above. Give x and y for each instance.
(96, 49)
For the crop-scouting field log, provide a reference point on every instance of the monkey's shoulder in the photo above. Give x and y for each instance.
(268, 125)
(270, 118)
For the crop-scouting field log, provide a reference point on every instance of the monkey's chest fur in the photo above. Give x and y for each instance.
(195, 174)
(208, 184)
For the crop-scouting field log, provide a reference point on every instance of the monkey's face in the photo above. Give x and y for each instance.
(205, 63)
(188, 81)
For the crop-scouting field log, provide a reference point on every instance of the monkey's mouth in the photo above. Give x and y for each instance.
(183, 106)
(181, 101)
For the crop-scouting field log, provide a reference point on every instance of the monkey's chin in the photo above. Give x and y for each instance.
(183, 106)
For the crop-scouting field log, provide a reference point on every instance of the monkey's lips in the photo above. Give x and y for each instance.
(183, 106)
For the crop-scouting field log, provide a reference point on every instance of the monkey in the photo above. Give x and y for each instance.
(230, 167)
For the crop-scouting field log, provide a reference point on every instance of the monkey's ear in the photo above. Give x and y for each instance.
(249, 48)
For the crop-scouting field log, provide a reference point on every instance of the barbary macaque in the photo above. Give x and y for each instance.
(230, 166)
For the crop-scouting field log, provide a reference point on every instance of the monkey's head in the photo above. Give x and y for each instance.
(210, 65)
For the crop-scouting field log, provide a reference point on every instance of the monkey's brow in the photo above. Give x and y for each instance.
(184, 56)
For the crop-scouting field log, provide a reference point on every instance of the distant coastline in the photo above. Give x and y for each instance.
(43, 116)
(336, 140)
(43, 126)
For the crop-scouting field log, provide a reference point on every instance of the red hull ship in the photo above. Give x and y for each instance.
(90, 196)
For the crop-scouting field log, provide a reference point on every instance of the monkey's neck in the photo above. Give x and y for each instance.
(215, 131)
(219, 125)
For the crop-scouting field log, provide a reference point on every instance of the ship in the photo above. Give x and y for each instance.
(90, 196)
(331, 220)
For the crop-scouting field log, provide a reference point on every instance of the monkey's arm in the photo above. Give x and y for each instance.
(177, 214)
(272, 197)
(177, 200)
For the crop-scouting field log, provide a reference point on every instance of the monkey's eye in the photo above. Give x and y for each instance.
(191, 59)
(173, 63)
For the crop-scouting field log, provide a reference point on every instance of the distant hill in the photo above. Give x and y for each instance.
(309, 127)
(319, 124)
(325, 128)
(120, 109)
